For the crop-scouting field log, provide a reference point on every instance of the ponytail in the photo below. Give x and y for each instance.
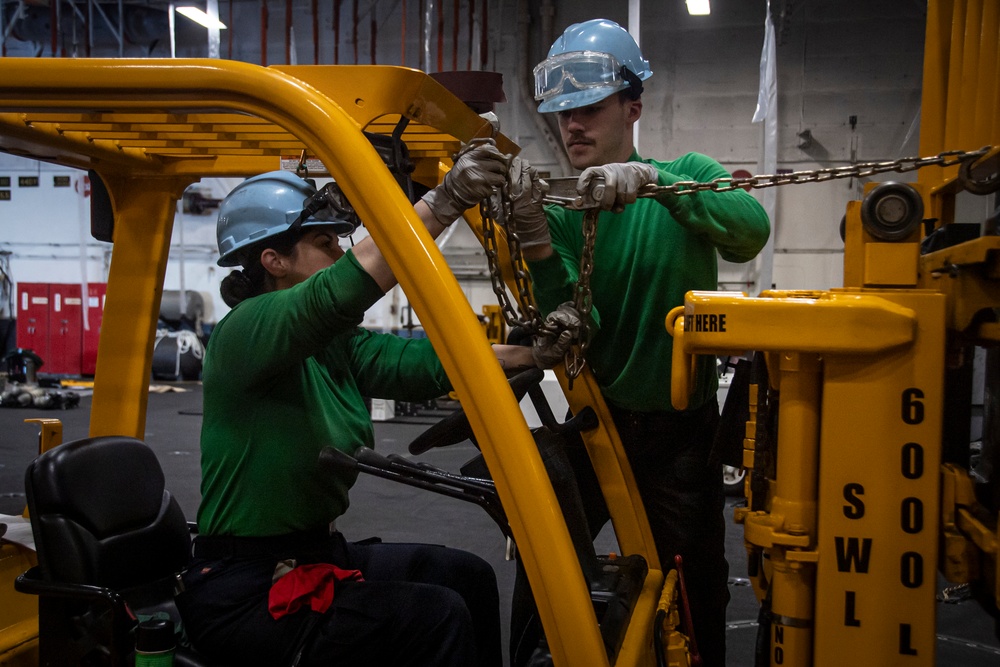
(237, 287)
(254, 279)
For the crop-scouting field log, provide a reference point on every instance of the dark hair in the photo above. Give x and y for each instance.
(254, 280)
(627, 95)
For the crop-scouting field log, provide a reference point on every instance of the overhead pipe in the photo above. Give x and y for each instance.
(54, 26)
(78, 14)
(288, 32)
(121, 20)
(634, 28)
(426, 52)
(373, 43)
(421, 9)
(440, 36)
(336, 32)
(548, 14)
(484, 54)
(472, 32)
(454, 34)
(73, 29)
(263, 33)
(212, 7)
(315, 29)
(87, 27)
(76, 39)
(527, 89)
(171, 25)
(117, 34)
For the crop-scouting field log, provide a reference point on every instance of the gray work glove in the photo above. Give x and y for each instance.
(526, 193)
(477, 170)
(622, 181)
(559, 331)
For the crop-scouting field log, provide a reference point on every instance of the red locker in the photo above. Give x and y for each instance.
(33, 319)
(96, 295)
(50, 323)
(65, 330)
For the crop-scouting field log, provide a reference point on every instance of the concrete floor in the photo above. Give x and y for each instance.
(396, 512)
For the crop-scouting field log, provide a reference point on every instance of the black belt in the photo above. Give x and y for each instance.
(217, 547)
(665, 420)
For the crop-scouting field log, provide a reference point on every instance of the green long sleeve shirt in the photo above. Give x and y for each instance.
(645, 259)
(285, 375)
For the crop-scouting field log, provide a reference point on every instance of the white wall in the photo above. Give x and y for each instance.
(835, 59)
(46, 229)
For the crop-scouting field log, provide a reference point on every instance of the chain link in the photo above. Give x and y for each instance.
(530, 318)
(576, 357)
(859, 170)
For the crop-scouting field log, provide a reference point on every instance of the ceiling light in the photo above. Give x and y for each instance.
(698, 7)
(201, 17)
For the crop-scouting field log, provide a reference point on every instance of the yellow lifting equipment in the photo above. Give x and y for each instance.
(149, 128)
(846, 531)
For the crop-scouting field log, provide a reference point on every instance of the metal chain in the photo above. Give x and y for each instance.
(576, 357)
(532, 321)
(955, 594)
(529, 318)
(522, 278)
(859, 170)
(583, 298)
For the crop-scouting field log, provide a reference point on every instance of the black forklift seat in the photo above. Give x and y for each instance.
(109, 538)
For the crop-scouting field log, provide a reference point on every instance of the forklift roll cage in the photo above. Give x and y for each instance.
(148, 129)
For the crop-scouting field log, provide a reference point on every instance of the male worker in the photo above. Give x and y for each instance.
(649, 252)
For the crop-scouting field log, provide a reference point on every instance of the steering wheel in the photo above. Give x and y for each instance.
(455, 428)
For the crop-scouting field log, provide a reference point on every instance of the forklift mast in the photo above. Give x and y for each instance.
(858, 446)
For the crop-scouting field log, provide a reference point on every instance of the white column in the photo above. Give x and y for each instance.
(634, 9)
(212, 9)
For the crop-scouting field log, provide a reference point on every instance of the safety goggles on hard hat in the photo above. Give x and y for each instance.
(328, 205)
(577, 70)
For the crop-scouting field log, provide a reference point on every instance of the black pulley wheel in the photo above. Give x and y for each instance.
(455, 428)
(892, 211)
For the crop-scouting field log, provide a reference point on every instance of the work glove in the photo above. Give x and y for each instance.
(559, 331)
(478, 169)
(528, 217)
(622, 181)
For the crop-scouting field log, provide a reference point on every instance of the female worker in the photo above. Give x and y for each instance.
(285, 375)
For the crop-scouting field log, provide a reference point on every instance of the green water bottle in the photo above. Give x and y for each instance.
(155, 644)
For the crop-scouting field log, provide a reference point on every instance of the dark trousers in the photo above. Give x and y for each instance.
(682, 491)
(418, 605)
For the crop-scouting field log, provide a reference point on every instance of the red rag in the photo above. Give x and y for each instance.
(310, 584)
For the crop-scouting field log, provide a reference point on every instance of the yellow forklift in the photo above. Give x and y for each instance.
(145, 130)
(844, 555)
(857, 447)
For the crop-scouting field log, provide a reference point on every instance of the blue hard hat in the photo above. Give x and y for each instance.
(589, 62)
(269, 204)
